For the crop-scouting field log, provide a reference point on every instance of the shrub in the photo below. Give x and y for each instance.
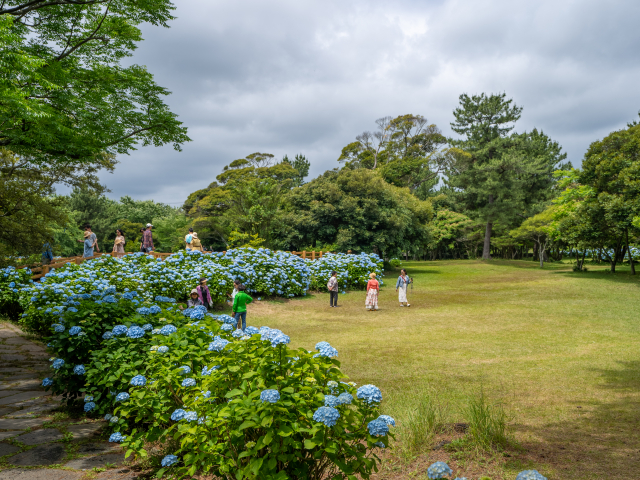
(11, 280)
(353, 270)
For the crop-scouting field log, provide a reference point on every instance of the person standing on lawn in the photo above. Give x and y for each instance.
(401, 287)
(239, 308)
(118, 244)
(372, 293)
(203, 293)
(332, 286)
(188, 238)
(147, 240)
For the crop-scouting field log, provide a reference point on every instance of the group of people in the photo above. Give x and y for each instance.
(373, 287)
(239, 300)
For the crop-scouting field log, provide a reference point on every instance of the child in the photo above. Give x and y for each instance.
(236, 284)
(239, 308)
(332, 285)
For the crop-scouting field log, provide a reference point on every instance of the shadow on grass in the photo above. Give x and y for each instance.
(601, 439)
(623, 276)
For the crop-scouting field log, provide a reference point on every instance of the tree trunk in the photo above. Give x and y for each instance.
(541, 254)
(633, 268)
(486, 250)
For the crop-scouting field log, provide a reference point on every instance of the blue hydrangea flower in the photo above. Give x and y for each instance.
(189, 382)
(178, 415)
(208, 371)
(135, 332)
(163, 349)
(138, 381)
(89, 406)
(226, 327)
(79, 370)
(238, 333)
(168, 330)
(107, 335)
(439, 470)
(369, 394)
(155, 309)
(143, 311)
(58, 328)
(169, 460)
(75, 330)
(120, 330)
(251, 330)
(147, 326)
(331, 401)
(185, 370)
(117, 437)
(327, 415)
(217, 345)
(270, 396)
(377, 428)
(380, 445)
(388, 420)
(327, 351)
(57, 363)
(108, 417)
(190, 416)
(122, 397)
(530, 475)
(197, 314)
(345, 398)
(109, 299)
(47, 382)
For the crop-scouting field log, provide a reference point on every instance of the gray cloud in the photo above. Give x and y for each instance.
(292, 77)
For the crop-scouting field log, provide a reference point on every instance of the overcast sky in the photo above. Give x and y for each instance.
(288, 77)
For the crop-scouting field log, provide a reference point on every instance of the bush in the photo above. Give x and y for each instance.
(353, 270)
(11, 280)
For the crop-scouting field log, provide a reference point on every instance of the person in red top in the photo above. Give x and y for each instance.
(372, 293)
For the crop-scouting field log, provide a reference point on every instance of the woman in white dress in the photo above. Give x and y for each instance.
(401, 287)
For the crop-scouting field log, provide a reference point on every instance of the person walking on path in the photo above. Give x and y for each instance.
(239, 308)
(332, 286)
(118, 245)
(401, 287)
(141, 239)
(188, 238)
(372, 293)
(90, 242)
(196, 244)
(203, 293)
(147, 240)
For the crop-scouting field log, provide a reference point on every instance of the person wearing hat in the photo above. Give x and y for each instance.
(147, 240)
(90, 242)
(193, 301)
(203, 293)
(372, 293)
(196, 244)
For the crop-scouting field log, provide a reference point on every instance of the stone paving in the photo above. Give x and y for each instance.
(34, 444)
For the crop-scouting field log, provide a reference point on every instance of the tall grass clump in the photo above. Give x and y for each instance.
(488, 426)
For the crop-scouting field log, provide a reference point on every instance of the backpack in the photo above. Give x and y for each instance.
(189, 238)
(196, 242)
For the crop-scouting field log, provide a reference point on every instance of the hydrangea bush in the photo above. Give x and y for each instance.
(11, 280)
(353, 270)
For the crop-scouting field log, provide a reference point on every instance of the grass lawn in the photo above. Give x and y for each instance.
(560, 349)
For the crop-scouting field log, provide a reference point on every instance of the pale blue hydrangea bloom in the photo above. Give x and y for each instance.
(377, 428)
(75, 330)
(89, 406)
(135, 332)
(107, 335)
(530, 475)
(120, 330)
(380, 445)
(88, 398)
(178, 415)
(147, 326)
(439, 470)
(108, 417)
(270, 395)
(122, 397)
(58, 328)
(327, 415)
(168, 330)
(227, 327)
(238, 333)
(251, 330)
(57, 363)
(117, 437)
(369, 394)
(47, 382)
(169, 460)
(163, 349)
(388, 420)
(331, 401)
(188, 382)
(139, 381)
(345, 398)
(190, 416)
(155, 309)
(218, 345)
(185, 370)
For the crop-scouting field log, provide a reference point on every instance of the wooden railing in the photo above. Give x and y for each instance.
(39, 272)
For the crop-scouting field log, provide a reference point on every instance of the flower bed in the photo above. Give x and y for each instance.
(353, 270)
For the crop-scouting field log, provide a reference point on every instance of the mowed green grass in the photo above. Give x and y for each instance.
(560, 349)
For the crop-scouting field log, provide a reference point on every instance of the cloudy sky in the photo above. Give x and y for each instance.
(288, 77)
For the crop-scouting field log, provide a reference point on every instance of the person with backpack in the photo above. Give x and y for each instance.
(119, 243)
(188, 238)
(196, 244)
(239, 308)
(332, 286)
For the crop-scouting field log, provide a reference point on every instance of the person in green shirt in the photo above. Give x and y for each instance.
(239, 308)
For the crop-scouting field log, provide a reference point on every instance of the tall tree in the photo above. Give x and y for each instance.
(301, 165)
(502, 177)
(65, 96)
